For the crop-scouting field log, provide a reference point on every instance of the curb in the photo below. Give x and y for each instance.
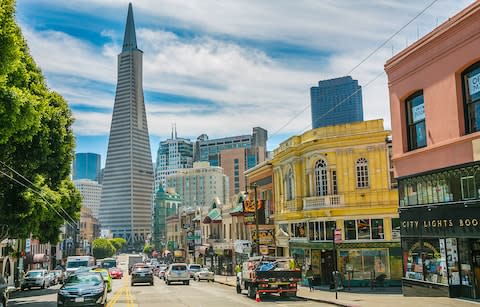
(302, 297)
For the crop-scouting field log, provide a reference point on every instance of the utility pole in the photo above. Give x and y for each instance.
(257, 235)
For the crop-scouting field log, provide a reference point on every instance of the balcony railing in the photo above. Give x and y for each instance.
(320, 202)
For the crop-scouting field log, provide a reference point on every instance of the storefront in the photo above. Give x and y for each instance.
(441, 249)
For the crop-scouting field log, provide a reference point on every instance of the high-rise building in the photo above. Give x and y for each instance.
(91, 192)
(173, 154)
(201, 185)
(336, 101)
(234, 154)
(126, 204)
(86, 165)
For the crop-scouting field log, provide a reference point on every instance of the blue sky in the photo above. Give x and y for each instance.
(219, 67)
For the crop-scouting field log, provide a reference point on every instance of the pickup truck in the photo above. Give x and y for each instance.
(265, 275)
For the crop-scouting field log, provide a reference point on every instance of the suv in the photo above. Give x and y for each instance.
(36, 278)
(194, 268)
(177, 272)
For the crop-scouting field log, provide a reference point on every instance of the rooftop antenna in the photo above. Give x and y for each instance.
(175, 131)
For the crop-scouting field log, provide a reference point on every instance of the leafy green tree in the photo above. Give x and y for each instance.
(36, 143)
(147, 249)
(102, 248)
(118, 243)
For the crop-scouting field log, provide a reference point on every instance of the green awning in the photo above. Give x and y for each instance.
(214, 216)
(238, 210)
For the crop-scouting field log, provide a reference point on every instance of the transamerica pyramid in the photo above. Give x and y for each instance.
(126, 202)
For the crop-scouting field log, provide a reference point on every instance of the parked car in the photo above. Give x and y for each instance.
(106, 277)
(36, 278)
(177, 272)
(83, 289)
(142, 275)
(204, 274)
(193, 268)
(116, 273)
(3, 292)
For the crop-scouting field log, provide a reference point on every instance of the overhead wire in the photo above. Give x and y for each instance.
(354, 68)
(38, 193)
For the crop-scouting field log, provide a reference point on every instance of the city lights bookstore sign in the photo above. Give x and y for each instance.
(441, 221)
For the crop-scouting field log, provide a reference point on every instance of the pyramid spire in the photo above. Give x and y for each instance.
(130, 39)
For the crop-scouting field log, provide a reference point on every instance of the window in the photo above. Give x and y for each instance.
(289, 185)
(468, 187)
(416, 131)
(298, 230)
(321, 178)
(334, 183)
(364, 229)
(395, 228)
(316, 231)
(471, 92)
(362, 173)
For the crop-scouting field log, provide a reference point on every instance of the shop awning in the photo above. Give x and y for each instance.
(214, 216)
(196, 219)
(238, 210)
(40, 258)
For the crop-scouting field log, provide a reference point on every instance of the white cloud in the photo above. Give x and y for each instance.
(222, 63)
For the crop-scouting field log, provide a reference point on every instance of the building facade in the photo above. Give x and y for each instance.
(336, 179)
(434, 97)
(126, 202)
(86, 165)
(336, 101)
(166, 203)
(89, 230)
(91, 192)
(173, 154)
(234, 154)
(200, 185)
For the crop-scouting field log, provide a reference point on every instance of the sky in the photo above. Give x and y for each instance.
(220, 67)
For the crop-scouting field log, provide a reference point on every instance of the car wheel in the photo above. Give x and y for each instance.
(188, 282)
(151, 284)
(43, 286)
(131, 284)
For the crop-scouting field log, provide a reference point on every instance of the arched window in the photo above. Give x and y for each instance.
(289, 185)
(362, 173)
(321, 183)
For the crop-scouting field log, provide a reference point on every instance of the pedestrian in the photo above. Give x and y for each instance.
(238, 269)
(309, 275)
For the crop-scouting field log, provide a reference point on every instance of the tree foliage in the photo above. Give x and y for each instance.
(147, 249)
(118, 243)
(103, 248)
(36, 141)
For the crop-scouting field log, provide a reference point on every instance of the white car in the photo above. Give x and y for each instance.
(177, 272)
(194, 268)
(204, 274)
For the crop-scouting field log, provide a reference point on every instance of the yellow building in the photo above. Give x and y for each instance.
(338, 178)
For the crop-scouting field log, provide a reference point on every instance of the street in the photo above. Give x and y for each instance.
(123, 295)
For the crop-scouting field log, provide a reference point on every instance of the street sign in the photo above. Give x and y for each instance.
(338, 236)
(27, 246)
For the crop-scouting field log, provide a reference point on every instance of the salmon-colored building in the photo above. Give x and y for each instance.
(434, 87)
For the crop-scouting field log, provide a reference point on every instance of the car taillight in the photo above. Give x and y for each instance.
(292, 285)
(264, 285)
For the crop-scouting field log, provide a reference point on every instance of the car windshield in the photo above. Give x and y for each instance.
(142, 270)
(34, 274)
(179, 268)
(76, 264)
(89, 279)
(194, 267)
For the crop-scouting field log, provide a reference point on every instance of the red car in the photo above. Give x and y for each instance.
(115, 273)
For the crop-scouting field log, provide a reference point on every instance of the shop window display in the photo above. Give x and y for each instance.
(362, 263)
(425, 260)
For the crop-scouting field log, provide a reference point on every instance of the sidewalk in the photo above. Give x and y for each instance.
(366, 297)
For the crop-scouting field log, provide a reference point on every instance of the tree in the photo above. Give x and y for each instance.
(147, 249)
(118, 243)
(36, 143)
(102, 248)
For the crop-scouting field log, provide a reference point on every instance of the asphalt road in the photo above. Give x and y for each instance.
(197, 294)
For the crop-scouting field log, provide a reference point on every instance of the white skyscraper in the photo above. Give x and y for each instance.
(91, 192)
(126, 203)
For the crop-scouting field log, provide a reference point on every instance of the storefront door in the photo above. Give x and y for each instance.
(327, 266)
(476, 272)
